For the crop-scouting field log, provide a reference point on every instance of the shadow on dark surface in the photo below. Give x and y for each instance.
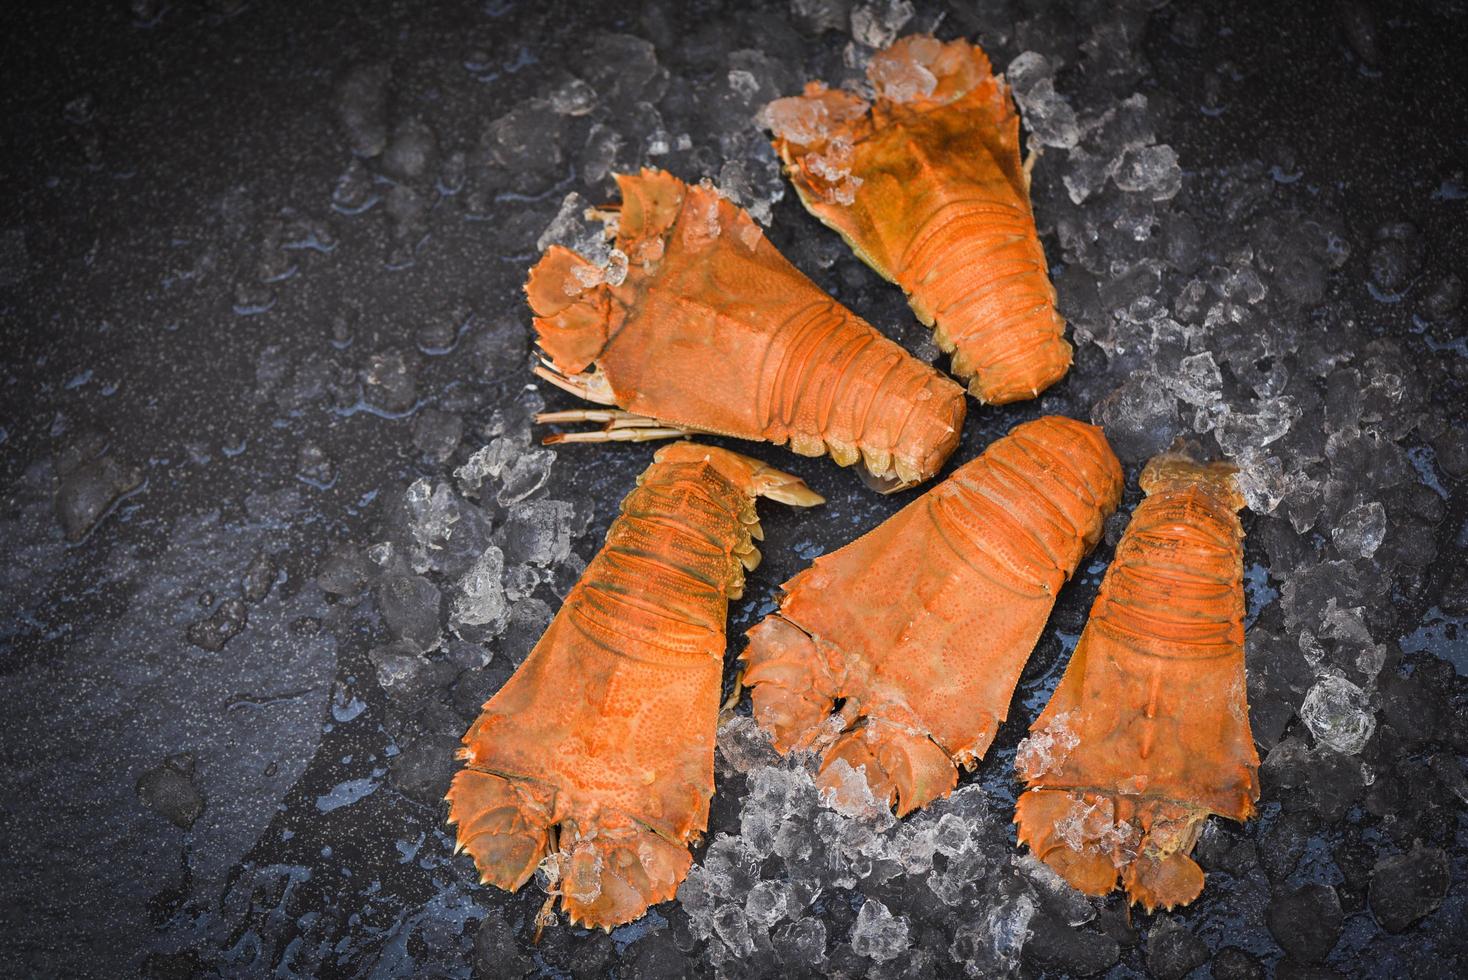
(260, 273)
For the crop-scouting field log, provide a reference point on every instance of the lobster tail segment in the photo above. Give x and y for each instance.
(503, 824)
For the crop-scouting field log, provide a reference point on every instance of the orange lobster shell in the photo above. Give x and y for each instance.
(926, 185)
(703, 326)
(599, 751)
(1148, 732)
(923, 625)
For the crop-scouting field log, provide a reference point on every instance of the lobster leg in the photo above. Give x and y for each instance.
(615, 418)
(612, 434)
(619, 426)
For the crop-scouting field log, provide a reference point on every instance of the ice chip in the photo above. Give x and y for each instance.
(879, 934)
(480, 600)
(1041, 752)
(876, 24)
(1336, 713)
(767, 902)
(902, 79)
(732, 927)
(1360, 532)
(799, 120)
(1150, 170)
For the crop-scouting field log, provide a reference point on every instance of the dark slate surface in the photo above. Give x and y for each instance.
(259, 275)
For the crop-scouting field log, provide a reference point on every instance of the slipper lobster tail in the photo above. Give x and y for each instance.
(921, 627)
(697, 324)
(926, 186)
(595, 761)
(1148, 732)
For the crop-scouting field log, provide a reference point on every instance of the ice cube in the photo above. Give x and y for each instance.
(743, 745)
(574, 98)
(538, 532)
(433, 512)
(802, 942)
(1150, 170)
(1048, 116)
(572, 229)
(879, 934)
(767, 903)
(480, 600)
(525, 475)
(1336, 712)
(851, 796)
(1360, 532)
(732, 926)
(1042, 751)
(992, 946)
(1086, 175)
(876, 24)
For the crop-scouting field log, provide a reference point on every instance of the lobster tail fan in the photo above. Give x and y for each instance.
(1178, 468)
(574, 312)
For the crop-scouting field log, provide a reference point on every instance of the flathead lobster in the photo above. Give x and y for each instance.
(699, 324)
(1148, 732)
(599, 751)
(922, 626)
(926, 185)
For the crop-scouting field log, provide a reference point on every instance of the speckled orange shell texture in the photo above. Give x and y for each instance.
(600, 749)
(711, 329)
(925, 184)
(923, 625)
(1148, 732)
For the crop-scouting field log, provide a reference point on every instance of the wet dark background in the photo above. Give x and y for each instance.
(259, 275)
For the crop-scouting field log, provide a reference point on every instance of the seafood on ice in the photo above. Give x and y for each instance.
(596, 759)
(920, 628)
(926, 185)
(698, 324)
(1148, 732)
